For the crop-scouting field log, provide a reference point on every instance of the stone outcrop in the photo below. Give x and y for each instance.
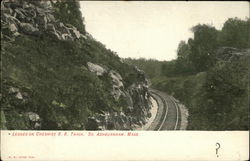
(129, 105)
(117, 84)
(34, 18)
(26, 119)
(136, 100)
(97, 69)
(34, 120)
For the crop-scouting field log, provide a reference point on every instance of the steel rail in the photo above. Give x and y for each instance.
(166, 113)
(166, 106)
(177, 113)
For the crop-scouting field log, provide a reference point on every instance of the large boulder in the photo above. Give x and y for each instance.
(75, 33)
(10, 19)
(33, 116)
(19, 14)
(45, 4)
(117, 84)
(34, 119)
(13, 28)
(17, 92)
(51, 29)
(42, 22)
(29, 29)
(95, 68)
(116, 78)
(33, 17)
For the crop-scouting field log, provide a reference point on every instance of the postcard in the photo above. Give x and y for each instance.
(124, 80)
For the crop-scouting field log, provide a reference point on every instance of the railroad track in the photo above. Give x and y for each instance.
(168, 112)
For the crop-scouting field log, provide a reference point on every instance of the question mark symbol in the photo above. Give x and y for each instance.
(218, 147)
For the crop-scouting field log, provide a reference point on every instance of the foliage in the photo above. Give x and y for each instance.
(152, 67)
(169, 68)
(50, 77)
(214, 89)
(202, 53)
(61, 89)
(235, 33)
(199, 53)
(227, 90)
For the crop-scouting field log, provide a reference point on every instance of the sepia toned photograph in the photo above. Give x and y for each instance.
(124, 80)
(124, 65)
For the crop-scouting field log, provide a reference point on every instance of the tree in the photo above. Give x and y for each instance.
(183, 63)
(183, 50)
(235, 33)
(169, 68)
(202, 47)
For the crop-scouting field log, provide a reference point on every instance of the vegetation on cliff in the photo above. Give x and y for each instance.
(210, 76)
(46, 82)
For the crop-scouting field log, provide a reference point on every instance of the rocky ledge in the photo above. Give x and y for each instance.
(136, 99)
(31, 19)
(34, 18)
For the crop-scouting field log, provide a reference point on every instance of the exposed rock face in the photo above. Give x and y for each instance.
(117, 85)
(97, 69)
(33, 18)
(136, 99)
(129, 105)
(25, 118)
(28, 28)
(34, 120)
(17, 93)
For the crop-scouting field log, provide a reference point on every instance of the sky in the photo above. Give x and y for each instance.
(150, 29)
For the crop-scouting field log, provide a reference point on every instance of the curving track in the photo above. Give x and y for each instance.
(168, 115)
